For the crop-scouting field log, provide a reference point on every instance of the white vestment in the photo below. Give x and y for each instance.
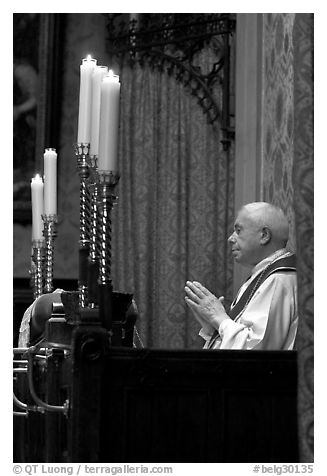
(269, 321)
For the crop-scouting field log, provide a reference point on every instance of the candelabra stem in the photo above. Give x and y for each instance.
(105, 237)
(92, 283)
(83, 273)
(37, 267)
(107, 183)
(82, 153)
(93, 259)
(50, 233)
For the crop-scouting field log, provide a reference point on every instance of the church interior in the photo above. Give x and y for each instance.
(214, 111)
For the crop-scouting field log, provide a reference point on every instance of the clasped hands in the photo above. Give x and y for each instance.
(205, 306)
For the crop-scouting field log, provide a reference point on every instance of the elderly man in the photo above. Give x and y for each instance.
(263, 316)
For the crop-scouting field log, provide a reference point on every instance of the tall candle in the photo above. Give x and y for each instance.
(50, 182)
(98, 73)
(37, 207)
(85, 100)
(109, 123)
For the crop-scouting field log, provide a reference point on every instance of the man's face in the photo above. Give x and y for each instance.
(245, 240)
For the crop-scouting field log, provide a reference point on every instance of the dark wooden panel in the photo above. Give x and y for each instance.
(182, 406)
(261, 423)
(141, 405)
(165, 418)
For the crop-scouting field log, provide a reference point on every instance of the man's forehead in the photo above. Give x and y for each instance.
(241, 216)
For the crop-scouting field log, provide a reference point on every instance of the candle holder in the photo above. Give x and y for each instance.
(107, 182)
(93, 259)
(49, 232)
(82, 154)
(37, 262)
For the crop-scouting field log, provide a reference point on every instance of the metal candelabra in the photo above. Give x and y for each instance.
(93, 261)
(82, 155)
(49, 232)
(38, 247)
(107, 181)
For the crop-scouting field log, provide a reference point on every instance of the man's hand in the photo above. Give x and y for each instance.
(206, 307)
(207, 328)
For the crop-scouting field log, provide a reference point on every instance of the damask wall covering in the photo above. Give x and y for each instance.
(278, 113)
(288, 173)
(303, 180)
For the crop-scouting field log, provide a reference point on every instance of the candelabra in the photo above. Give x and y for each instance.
(93, 259)
(82, 154)
(107, 181)
(49, 232)
(37, 267)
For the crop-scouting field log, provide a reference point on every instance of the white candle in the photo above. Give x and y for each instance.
(85, 100)
(37, 207)
(98, 73)
(109, 123)
(50, 182)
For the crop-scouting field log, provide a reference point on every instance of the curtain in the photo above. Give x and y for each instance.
(175, 207)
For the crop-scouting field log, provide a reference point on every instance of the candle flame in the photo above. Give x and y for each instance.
(36, 178)
(111, 73)
(89, 57)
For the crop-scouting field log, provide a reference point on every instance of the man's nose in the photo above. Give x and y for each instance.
(231, 239)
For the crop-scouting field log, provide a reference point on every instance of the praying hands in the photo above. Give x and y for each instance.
(205, 306)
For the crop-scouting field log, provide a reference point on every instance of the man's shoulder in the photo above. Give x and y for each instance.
(280, 279)
(284, 264)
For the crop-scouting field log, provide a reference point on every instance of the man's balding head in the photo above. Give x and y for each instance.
(260, 229)
(267, 215)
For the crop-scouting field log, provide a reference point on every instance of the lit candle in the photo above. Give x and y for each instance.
(109, 123)
(85, 100)
(50, 182)
(98, 73)
(37, 207)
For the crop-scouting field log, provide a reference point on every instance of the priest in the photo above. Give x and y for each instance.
(263, 315)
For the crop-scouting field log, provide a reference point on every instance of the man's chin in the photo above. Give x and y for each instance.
(238, 259)
(236, 256)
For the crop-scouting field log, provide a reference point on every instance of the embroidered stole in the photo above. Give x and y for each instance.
(280, 265)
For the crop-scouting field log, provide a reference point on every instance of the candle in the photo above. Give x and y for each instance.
(85, 99)
(98, 73)
(37, 207)
(50, 182)
(109, 122)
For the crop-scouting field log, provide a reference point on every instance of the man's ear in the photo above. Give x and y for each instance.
(266, 235)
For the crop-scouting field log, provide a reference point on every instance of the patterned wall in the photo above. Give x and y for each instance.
(288, 175)
(278, 113)
(303, 179)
